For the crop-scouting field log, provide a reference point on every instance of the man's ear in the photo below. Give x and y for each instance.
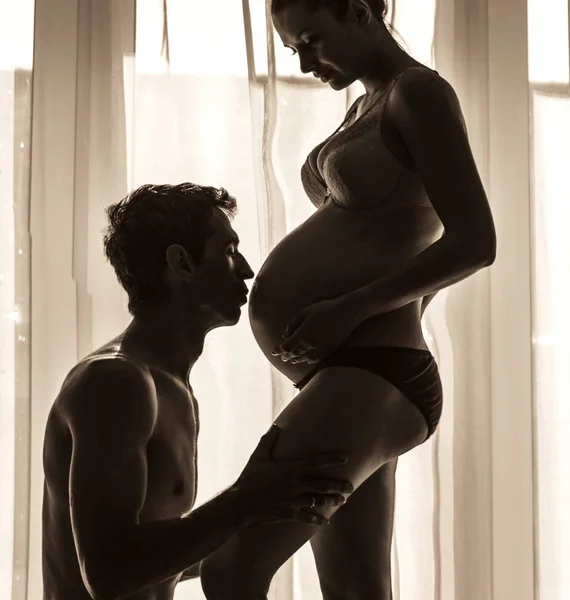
(180, 261)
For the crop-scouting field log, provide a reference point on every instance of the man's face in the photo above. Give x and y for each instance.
(219, 280)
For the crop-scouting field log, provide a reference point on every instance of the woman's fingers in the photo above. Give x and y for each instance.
(298, 350)
(311, 358)
(302, 353)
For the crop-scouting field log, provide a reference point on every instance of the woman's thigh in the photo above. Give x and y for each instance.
(342, 409)
(351, 411)
(353, 554)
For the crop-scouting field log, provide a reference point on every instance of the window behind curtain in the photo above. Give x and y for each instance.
(550, 123)
(16, 55)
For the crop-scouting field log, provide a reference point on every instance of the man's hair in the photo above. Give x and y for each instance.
(146, 222)
(379, 8)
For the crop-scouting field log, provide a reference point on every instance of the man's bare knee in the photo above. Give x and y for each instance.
(226, 580)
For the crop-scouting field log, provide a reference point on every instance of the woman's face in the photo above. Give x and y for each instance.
(330, 47)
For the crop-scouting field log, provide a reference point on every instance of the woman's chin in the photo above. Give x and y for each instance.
(335, 84)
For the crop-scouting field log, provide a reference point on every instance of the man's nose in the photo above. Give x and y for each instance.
(246, 270)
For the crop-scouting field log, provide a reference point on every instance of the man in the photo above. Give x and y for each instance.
(120, 442)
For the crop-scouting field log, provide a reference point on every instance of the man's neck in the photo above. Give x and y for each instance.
(165, 342)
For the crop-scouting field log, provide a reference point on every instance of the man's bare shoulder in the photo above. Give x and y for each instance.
(103, 380)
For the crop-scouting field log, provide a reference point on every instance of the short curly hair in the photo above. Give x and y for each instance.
(378, 7)
(150, 219)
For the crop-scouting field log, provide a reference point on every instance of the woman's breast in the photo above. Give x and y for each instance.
(332, 253)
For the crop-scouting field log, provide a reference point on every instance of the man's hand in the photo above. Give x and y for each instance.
(271, 491)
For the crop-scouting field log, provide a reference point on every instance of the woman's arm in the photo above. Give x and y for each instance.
(444, 263)
(426, 112)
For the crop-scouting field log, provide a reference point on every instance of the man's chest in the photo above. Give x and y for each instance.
(172, 458)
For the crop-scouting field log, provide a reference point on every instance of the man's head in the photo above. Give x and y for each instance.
(334, 38)
(173, 246)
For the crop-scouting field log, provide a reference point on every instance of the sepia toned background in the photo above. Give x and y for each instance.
(100, 96)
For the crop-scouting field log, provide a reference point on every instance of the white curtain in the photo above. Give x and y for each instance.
(126, 93)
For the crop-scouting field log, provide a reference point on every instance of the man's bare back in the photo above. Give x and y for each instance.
(172, 474)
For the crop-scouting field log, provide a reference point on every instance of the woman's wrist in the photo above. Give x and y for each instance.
(363, 303)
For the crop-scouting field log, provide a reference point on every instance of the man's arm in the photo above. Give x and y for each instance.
(111, 419)
(111, 424)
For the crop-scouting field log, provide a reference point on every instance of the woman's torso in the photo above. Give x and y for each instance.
(373, 215)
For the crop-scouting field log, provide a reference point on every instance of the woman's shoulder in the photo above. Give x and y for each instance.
(420, 95)
(421, 87)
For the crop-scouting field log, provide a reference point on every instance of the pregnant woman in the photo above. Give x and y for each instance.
(336, 307)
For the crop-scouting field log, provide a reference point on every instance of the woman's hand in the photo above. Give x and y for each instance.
(316, 331)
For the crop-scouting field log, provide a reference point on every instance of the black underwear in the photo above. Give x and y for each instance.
(414, 372)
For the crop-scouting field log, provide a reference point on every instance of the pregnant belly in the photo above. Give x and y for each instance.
(332, 253)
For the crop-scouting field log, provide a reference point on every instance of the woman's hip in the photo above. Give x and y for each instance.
(412, 371)
(353, 411)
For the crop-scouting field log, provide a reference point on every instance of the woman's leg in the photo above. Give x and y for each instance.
(353, 553)
(342, 409)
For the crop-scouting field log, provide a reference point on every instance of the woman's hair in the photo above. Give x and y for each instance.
(379, 8)
(145, 223)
